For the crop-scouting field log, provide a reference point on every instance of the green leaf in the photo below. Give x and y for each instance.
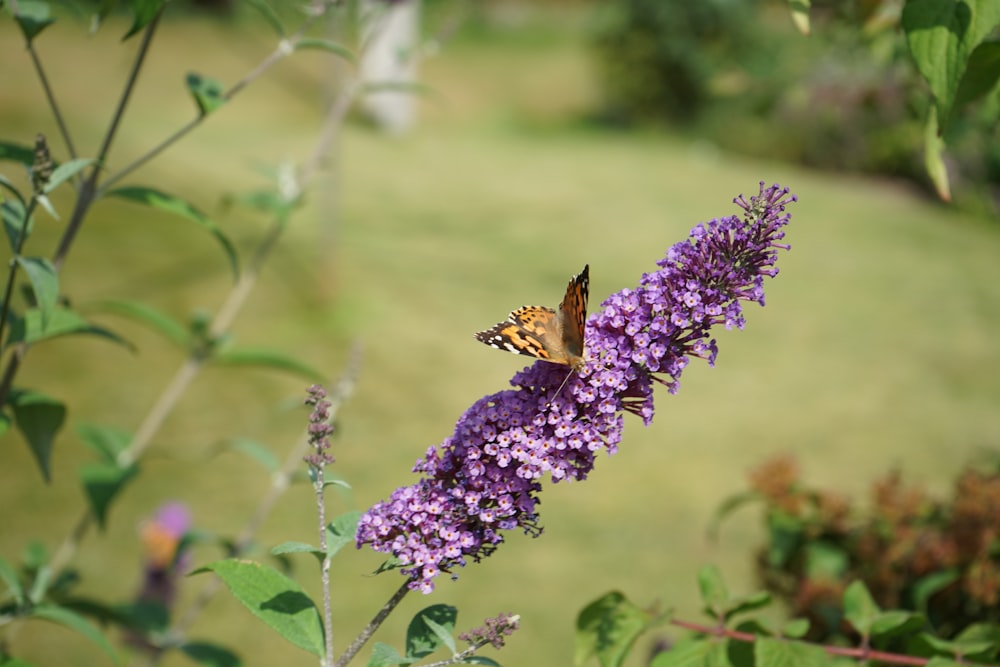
(934, 156)
(171, 204)
(608, 627)
(944, 662)
(66, 171)
(424, 634)
(693, 652)
(104, 9)
(800, 14)
(298, 548)
(13, 213)
(328, 46)
(61, 322)
(796, 628)
(825, 560)
(208, 93)
(18, 152)
(102, 483)
(47, 205)
(143, 12)
(942, 35)
(255, 450)
(442, 632)
(728, 506)
(981, 74)
(779, 653)
(35, 555)
(268, 359)
(268, 201)
(269, 15)
(32, 18)
(784, 537)
(74, 622)
(860, 609)
(896, 622)
(342, 531)
(155, 319)
(714, 593)
(145, 616)
(275, 599)
(925, 587)
(384, 655)
(38, 418)
(744, 604)
(44, 283)
(212, 655)
(479, 660)
(957, 648)
(5, 422)
(106, 441)
(8, 575)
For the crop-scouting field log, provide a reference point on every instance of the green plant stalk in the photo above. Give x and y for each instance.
(460, 657)
(279, 484)
(285, 48)
(88, 190)
(373, 625)
(85, 196)
(223, 320)
(12, 273)
(325, 571)
(51, 99)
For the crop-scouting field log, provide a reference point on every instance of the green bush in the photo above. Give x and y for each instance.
(657, 56)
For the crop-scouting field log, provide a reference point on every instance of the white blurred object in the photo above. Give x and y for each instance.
(390, 34)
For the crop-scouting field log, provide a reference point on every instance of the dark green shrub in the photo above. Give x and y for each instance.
(913, 552)
(657, 56)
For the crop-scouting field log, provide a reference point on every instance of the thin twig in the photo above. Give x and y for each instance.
(460, 657)
(280, 482)
(22, 234)
(325, 570)
(285, 48)
(88, 190)
(862, 654)
(51, 98)
(373, 625)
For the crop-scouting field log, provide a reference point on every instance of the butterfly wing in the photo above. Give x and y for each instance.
(529, 330)
(573, 316)
(543, 333)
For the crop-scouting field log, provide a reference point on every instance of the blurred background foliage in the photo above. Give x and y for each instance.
(556, 133)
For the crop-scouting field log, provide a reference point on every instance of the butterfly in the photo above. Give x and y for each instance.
(543, 333)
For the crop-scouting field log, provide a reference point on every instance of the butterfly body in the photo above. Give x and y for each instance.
(544, 333)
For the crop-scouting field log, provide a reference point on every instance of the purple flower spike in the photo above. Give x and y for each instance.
(485, 478)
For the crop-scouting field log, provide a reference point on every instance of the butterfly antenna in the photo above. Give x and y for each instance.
(565, 380)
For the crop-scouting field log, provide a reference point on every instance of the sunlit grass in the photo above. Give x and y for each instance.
(877, 347)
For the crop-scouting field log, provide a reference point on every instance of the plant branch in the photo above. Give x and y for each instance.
(285, 48)
(861, 654)
(88, 190)
(51, 98)
(22, 234)
(325, 572)
(373, 625)
(279, 484)
(460, 657)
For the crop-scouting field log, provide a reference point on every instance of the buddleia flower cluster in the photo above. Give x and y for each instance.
(485, 478)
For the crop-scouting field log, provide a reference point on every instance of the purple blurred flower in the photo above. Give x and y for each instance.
(485, 477)
(165, 560)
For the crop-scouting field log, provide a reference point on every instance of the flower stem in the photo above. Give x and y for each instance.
(373, 625)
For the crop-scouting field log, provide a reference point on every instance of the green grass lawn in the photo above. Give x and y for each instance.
(877, 348)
